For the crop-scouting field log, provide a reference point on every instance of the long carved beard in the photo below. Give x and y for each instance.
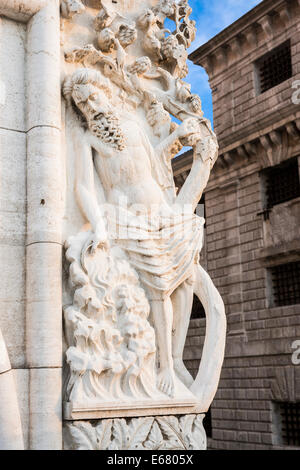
(107, 128)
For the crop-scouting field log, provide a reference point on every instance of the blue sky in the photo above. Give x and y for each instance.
(212, 16)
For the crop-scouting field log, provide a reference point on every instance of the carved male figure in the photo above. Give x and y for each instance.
(125, 160)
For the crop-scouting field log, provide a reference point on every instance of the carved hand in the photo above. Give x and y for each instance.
(188, 127)
(100, 238)
(207, 151)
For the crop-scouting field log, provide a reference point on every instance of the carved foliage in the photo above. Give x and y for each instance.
(159, 433)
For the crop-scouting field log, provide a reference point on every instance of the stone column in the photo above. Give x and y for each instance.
(11, 436)
(44, 217)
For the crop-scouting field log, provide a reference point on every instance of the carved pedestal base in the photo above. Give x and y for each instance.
(126, 410)
(147, 433)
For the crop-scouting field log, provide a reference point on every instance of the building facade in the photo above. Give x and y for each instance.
(252, 207)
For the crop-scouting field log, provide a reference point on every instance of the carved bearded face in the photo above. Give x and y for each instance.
(91, 101)
(102, 121)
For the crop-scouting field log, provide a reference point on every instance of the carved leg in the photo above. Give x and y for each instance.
(162, 312)
(182, 300)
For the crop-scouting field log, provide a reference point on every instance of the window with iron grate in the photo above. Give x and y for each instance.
(282, 182)
(289, 418)
(274, 67)
(286, 284)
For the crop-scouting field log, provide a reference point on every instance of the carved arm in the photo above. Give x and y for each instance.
(205, 156)
(164, 146)
(186, 129)
(85, 185)
(195, 184)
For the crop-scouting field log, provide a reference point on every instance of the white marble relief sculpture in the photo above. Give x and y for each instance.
(134, 263)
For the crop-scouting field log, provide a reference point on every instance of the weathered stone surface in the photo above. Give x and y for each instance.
(44, 286)
(21, 378)
(45, 409)
(30, 72)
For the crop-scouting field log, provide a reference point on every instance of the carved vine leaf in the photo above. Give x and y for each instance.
(103, 434)
(192, 431)
(171, 429)
(119, 435)
(138, 431)
(186, 426)
(82, 436)
(197, 437)
(131, 436)
(155, 439)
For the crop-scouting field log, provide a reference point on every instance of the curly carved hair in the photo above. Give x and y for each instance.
(85, 77)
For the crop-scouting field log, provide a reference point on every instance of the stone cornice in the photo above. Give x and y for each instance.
(227, 46)
(268, 143)
(260, 127)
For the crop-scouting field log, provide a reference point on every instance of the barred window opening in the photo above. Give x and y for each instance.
(282, 183)
(275, 67)
(289, 417)
(286, 284)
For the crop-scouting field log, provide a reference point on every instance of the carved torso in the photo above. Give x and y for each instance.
(128, 173)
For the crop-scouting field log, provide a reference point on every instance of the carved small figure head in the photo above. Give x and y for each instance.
(196, 104)
(158, 117)
(106, 40)
(183, 91)
(102, 20)
(169, 46)
(147, 19)
(127, 34)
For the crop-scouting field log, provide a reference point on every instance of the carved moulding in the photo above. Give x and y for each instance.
(151, 433)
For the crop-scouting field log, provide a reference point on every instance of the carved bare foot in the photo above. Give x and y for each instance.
(165, 381)
(182, 373)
